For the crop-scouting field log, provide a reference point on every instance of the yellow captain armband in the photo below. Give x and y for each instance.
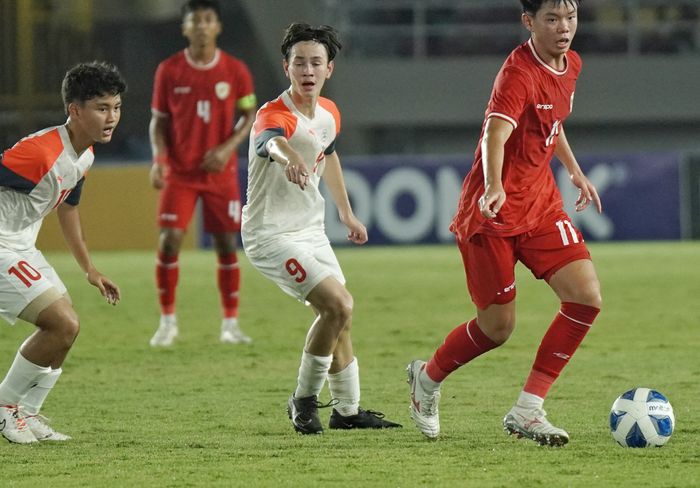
(247, 102)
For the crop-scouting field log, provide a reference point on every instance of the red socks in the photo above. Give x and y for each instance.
(167, 274)
(563, 337)
(229, 280)
(463, 344)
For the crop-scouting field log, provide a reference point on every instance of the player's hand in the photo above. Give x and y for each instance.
(156, 176)
(357, 232)
(215, 160)
(107, 287)
(491, 201)
(586, 192)
(297, 173)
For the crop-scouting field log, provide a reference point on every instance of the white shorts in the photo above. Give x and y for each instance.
(24, 276)
(298, 265)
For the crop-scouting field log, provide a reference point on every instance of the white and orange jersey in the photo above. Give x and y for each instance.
(36, 175)
(275, 207)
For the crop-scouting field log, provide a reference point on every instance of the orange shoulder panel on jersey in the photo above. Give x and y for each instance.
(329, 105)
(32, 157)
(275, 115)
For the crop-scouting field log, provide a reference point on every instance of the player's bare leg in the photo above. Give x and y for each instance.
(36, 369)
(577, 282)
(328, 353)
(58, 327)
(167, 275)
(333, 307)
(333, 304)
(343, 374)
(497, 321)
(228, 279)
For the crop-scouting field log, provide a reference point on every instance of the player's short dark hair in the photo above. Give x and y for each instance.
(531, 7)
(86, 81)
(192, 5)
(300, 31)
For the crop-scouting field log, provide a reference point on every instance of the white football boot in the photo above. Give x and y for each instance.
(533, 424)
(13, 426)
(42, 430)
(424, 405)
(231, 333)
(167, 332)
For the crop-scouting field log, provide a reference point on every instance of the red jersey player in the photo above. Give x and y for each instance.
(510, 210)
(196, 95)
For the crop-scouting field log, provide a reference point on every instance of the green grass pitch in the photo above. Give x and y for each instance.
(206, 414)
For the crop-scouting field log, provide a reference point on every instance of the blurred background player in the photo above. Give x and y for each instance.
(194, 134)
(511, 210)
(42, 172)
(292, 145)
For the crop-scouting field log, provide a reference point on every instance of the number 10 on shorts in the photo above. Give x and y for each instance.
(25, 273)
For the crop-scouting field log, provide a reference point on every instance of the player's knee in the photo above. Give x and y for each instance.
(342, 310)
(169, 249)
(170, 241)
(338, 310)
(501, 332)
(497, 322)
(225, 244)
(589, 295)
(69, 329)
(499, 328)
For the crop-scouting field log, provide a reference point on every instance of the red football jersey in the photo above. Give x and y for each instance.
(201, 102)
(536, 99)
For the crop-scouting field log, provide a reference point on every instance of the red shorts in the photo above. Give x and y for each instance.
(221, 203)
(489, 260)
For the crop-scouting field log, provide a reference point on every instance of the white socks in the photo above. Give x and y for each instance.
(20, 379)
(427, 383)
(312, 374)
(170, 319)
(345, 387)
(529, 401)
(32, 402)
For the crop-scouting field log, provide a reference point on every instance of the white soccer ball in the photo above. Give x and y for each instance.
(642, 417)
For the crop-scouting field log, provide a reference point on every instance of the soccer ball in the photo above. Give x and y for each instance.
(642, 418)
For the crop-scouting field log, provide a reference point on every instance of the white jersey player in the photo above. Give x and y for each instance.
(280, 215)
(292, 147)
(42, 172)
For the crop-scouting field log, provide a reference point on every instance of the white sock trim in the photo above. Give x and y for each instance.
(529, 401)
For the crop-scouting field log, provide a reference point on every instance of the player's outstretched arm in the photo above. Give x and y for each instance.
(69, 220)
(333, 176)
(587, 193)
(295, 168)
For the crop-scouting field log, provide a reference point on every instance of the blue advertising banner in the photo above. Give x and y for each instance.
(411, 199)
(405, 199)
(640, 195)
